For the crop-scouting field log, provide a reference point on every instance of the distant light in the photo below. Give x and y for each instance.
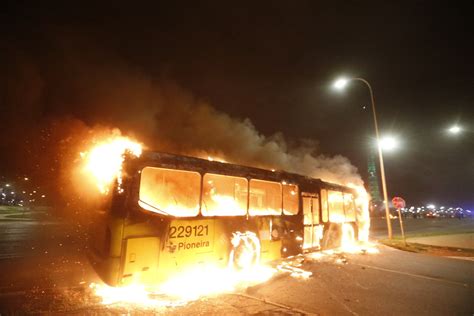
(455, 129)
(431, 206)
(7, 185)
(340, 83)
(26, 178)
(388, 143)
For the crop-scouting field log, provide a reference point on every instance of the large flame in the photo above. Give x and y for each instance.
(198, 281)
(104, 161)
(349, 243)
(363, 215)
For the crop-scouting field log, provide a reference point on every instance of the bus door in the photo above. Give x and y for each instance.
(312, 229)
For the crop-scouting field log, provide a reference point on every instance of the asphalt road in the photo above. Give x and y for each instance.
(54, 277)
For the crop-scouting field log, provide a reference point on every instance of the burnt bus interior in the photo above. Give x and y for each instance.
(177, 211)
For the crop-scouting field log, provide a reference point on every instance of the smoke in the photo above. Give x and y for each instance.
(55, 105)
(193, 127)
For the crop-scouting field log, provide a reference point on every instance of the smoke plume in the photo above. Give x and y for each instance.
(57, 103)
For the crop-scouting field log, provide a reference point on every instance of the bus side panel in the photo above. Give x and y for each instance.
(141, 260)
(140, 250)
(107, 250)
(188, 243)
(270, 247)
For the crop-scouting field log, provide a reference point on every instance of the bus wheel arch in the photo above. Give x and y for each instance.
(245, 250)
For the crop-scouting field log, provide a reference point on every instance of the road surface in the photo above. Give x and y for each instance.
(54, 277)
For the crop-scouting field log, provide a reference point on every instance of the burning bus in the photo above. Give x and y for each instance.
(169, 212)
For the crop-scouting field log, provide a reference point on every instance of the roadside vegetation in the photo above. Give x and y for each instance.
(14, 213)
(398, 243)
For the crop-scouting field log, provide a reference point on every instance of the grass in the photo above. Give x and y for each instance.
(437, 233)
(19, 216)
(12, 209)
(12, 213)
(433, 250)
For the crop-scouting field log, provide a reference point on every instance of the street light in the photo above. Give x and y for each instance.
(455, 129)
(340, 84)
(388, 143)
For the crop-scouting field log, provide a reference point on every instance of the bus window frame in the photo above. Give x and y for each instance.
(223, 175)
(324, 207)
(353, 216)
(160, 211)
(298, 199)
(281, 197)
(341, 211)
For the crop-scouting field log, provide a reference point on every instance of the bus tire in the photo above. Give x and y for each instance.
(245, 252)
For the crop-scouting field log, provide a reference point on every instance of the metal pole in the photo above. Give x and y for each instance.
(401, 226)
(382, 169)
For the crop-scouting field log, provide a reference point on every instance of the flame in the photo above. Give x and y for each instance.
(348, 241)
(243, 270)
(246, 250)
(210, 158)
(363, 215)
(104, 161)
(292, 265)
(196, 282)
(349, 244)
(186, 287)
(228, 203)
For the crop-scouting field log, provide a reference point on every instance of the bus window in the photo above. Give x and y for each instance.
(224, 195)
(307, 215)
(336, 206)
(170, 192)
(290, 199)
(265, 198)
(315, 203)
(324, 204)
(349, 208)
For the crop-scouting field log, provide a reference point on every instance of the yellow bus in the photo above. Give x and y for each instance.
(174, 212)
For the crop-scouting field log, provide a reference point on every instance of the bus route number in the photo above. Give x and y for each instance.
(188, 231)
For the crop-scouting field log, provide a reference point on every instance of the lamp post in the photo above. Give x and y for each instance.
(340, 84)
(455, 129)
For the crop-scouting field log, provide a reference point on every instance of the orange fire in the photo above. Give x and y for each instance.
(104, 161)
(348, 241)
(198, 281)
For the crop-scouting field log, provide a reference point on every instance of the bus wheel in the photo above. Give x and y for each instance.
(332, 236)
(245, 251)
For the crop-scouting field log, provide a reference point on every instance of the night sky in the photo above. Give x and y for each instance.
(272, 63)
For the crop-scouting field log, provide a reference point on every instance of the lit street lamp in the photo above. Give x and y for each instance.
(388, 143)
(455, 129)
(341, 84)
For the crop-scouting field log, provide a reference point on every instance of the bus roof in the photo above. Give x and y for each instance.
(173, 161)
